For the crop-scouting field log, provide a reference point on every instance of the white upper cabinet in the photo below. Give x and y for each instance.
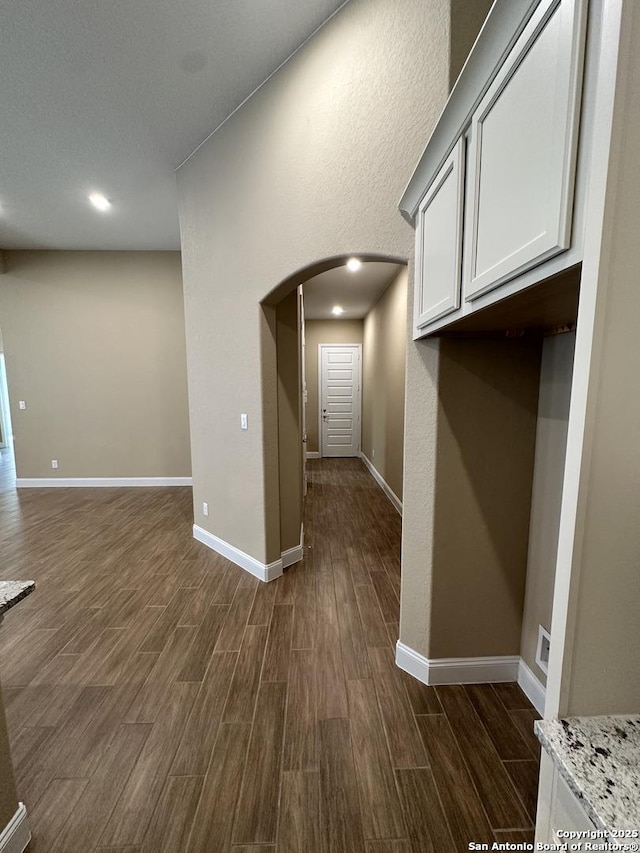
(523, 149)
(499, 195)
(439, 242)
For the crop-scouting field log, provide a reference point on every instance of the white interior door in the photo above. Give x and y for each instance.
(340, 390)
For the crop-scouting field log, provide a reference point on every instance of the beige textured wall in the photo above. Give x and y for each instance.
(383, 380)
(95, 345)
(8, 796)
(323, 332)
(310, 168)
(551, 444)
(488, 392)
(289, 425)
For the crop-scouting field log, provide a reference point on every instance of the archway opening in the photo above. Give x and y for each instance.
(333, 386)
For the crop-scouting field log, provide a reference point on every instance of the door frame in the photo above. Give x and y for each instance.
(359, 429)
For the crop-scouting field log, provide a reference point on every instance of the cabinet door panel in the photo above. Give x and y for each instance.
(522, 151)
(439, 243)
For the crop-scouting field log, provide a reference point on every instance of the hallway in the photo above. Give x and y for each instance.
(161, 700)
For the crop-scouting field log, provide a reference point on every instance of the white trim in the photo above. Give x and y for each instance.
(485, 670)
(359, 430)
(98, 482)
(295, 554)
(291, 556)
(16, 834)
(533, 689)
(412, 662)
(262, 571)
(386, 488)
(313, 454)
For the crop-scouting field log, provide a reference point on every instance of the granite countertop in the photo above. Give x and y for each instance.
(11, 592)
(599, 758)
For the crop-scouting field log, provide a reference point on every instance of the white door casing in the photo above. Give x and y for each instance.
(340, 391)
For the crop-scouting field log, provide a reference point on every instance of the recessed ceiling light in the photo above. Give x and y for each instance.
(353, 264)
(337, 310)
(99, 201)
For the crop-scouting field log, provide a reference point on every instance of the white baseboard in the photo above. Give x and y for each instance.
(295, 554)
(313, 454)
(263, 571)
(99, 482)
(16, 834)
(377, 476)
(484, 670)
(532, 687)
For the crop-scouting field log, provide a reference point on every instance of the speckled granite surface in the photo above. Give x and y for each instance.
(11, 592)
(599, 757)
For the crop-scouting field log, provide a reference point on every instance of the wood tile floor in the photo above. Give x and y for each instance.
(161, 700)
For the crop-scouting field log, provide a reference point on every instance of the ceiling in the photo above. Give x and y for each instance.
(355, 292)
(112, 95)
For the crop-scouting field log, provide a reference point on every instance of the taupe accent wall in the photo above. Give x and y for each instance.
(551, 445)
(95, 345)
(384, 362)
(323, 332)
(467, 18)
(488, 400)
(310, 168)
(289, 421)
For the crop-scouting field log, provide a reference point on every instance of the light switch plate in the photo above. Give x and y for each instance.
(244, 423)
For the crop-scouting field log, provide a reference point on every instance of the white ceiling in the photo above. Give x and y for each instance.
(356, 292)
(112, 95)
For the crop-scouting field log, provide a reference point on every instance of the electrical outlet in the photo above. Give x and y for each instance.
(244, 423)
(54, 463)
(542, 652)
(205, 508)
(22, 404)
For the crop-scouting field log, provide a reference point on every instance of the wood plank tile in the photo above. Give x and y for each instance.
(523, 720)
(169, 664)
(172, 819)
(387, 598)
(341, 822)
(503, 807)
(263, 602)
(134, 809)
(524, 775)
(512, 697)
(299, 827)
(354, 651)
(276, 659)
(212, 827)
(102, 791)
(405, 745)
(257, 812)
(462, 807)
(285, 587)
(51, 812)
(375, 633)
(506, 738)
(246, 678)
(198, 739)
(229, 580)
(232, 631)
(300, 734)
(331, 683)
(379, 805)
(164, 627)
(204, 644)
(423, 699)
(389, 846)
(427, 826)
